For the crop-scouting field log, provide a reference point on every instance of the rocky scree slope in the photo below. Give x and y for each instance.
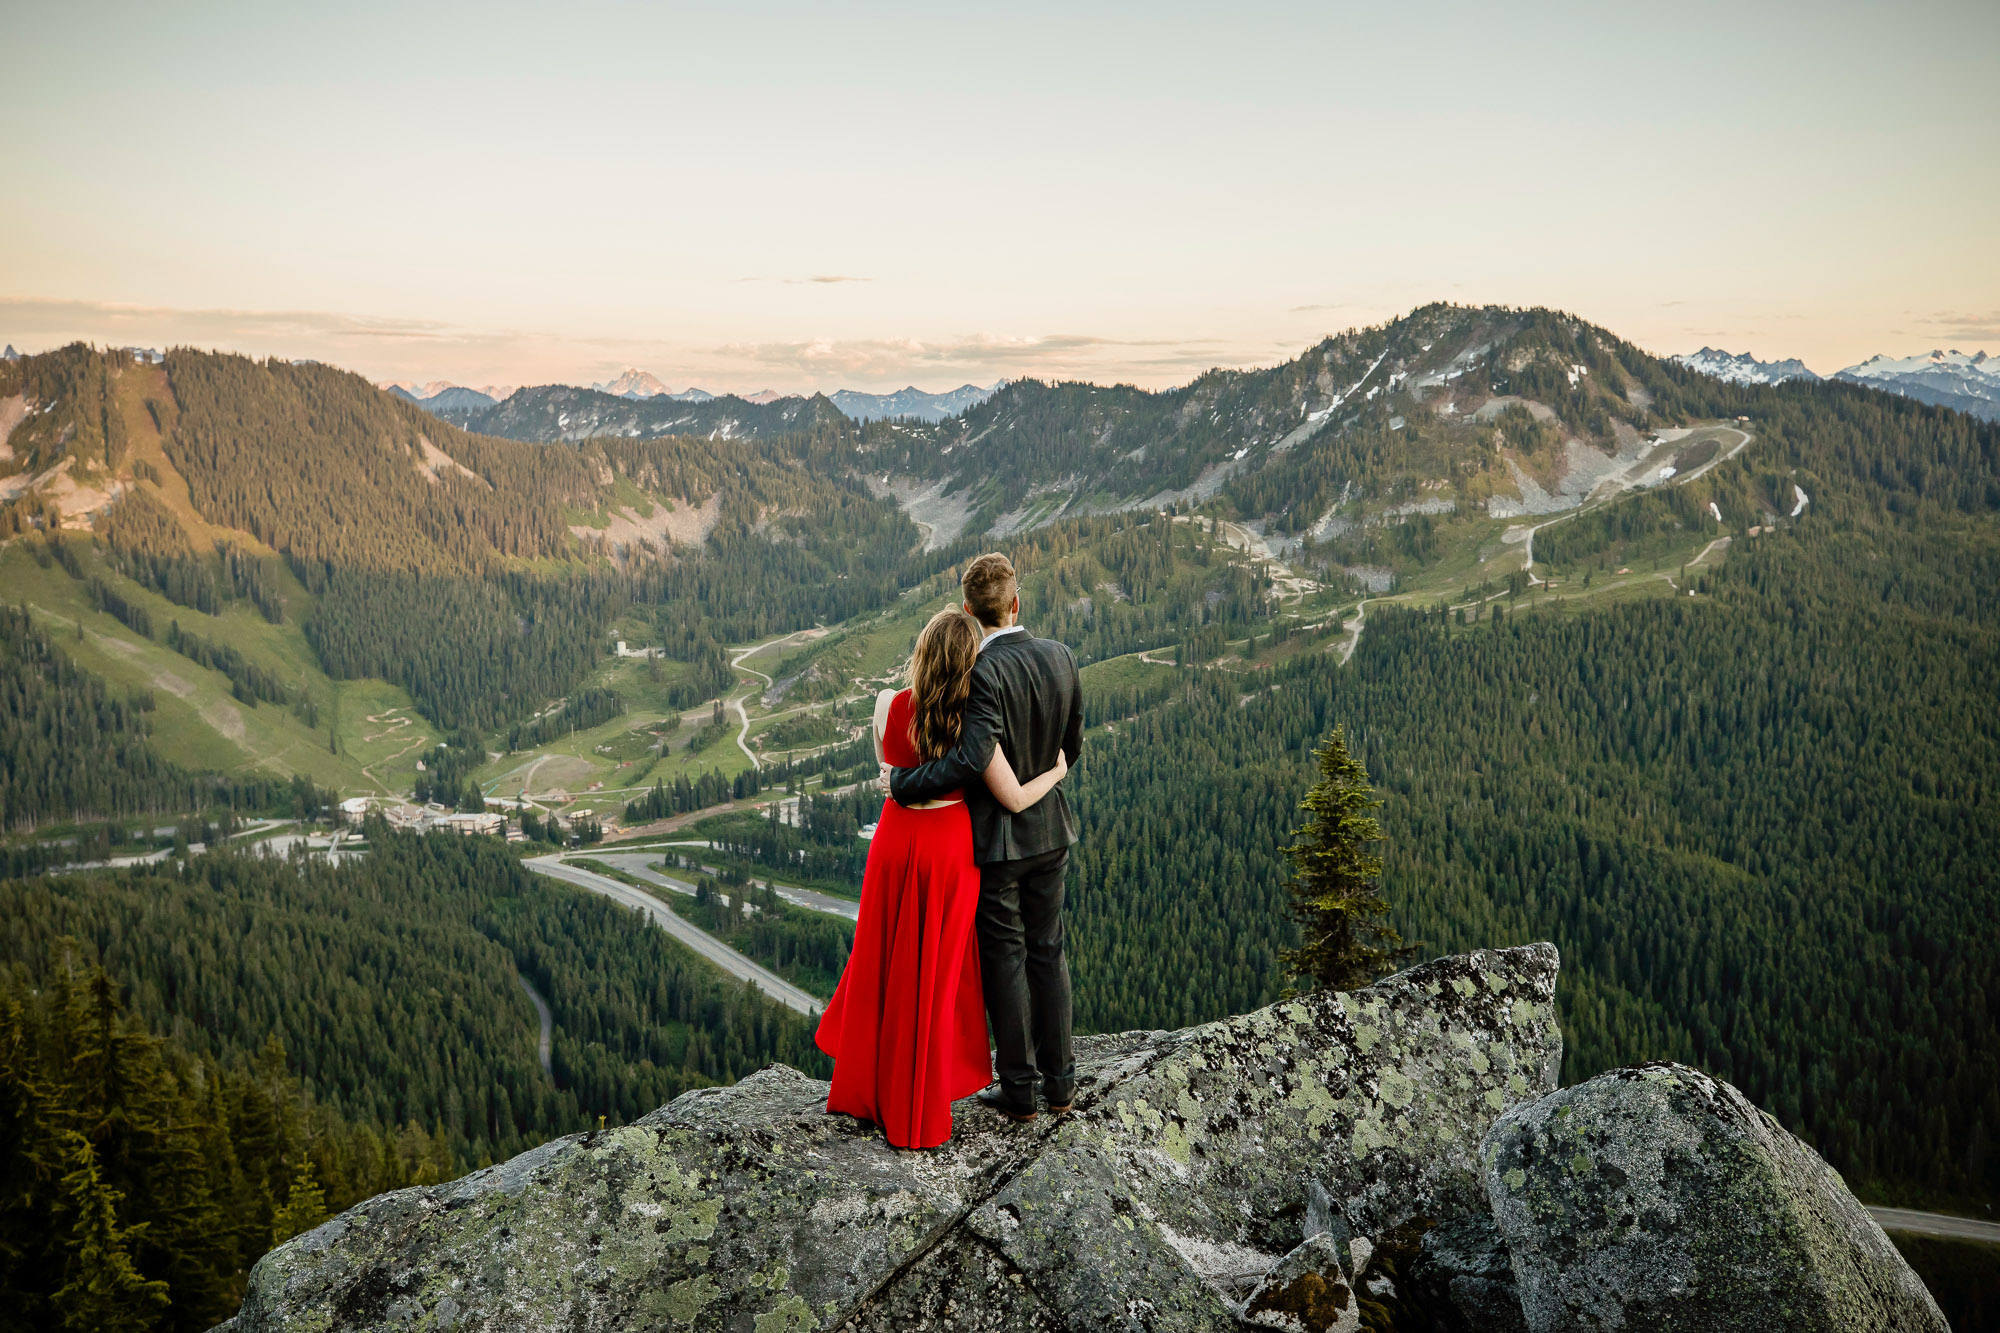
(1283, 1169)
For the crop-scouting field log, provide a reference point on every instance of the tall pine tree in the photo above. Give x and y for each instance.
(1336, 895)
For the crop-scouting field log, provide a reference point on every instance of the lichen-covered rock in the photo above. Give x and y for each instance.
(1185, 1175)
(1464, 1278)
(1656, 1197)
(1189, 1164)
(1309, 1291)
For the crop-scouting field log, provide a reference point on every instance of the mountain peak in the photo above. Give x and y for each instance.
(633, 383)
(1942, 378)
(1743, 368)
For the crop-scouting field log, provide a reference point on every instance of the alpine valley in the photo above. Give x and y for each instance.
(1691, 672)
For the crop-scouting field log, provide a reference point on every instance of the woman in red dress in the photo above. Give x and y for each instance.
(906, 1027)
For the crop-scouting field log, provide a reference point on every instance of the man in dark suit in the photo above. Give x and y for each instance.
(1026, 699)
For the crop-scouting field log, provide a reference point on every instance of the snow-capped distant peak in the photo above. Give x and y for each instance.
(763, 396)
(1742, 368)
(1883, 367)
(10, 354)
(633, 384)
(1965, 383)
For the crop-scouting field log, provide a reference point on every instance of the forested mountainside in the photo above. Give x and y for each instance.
(553, 412)
(71, 749)
(368, 1019)
(1757, 823)
(1447, 414)
(212, 478)
(1696, 679)
(1754, 818)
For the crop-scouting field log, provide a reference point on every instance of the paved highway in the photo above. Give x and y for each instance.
(710, 948)
(639, 865)
(1936, 1224)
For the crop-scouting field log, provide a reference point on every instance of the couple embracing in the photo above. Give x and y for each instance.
(962, 898)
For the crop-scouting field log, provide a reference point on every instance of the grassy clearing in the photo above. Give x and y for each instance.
(368, 736)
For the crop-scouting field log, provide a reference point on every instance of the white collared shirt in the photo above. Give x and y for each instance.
(993, 634)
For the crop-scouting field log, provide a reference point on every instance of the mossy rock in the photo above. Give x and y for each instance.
(1656, 1197)
(1185, 1175)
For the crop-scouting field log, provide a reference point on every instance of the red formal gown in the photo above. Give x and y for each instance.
(906, 1027)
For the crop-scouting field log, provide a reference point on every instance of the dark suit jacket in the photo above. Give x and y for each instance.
(1027, 699)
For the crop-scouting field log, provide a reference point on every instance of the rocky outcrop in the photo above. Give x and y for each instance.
(1656, 1197)
(1240, 1164)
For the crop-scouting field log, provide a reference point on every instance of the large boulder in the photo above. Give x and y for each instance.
(1656, 1197)
(1196, 1167)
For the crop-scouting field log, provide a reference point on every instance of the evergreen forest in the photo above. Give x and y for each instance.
(181, 1046)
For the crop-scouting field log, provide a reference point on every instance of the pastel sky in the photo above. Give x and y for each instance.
(754, 195)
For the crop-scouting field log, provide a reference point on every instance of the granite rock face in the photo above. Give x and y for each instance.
(1656, 1197)
(1202, 1169)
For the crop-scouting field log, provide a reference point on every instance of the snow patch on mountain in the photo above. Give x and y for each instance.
(1742, 368)
(1965, 382)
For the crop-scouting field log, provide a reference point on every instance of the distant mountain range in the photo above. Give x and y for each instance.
(645, 384)
(443, 395)
(1965, 383)
(450, 397)
(913, 402)
(459, 403)
(550, 412)
(1743, 368)
(1969, 384)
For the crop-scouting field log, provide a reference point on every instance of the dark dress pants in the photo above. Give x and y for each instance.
(1025, 976)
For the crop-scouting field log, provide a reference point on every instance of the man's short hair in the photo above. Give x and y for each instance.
(990, 587)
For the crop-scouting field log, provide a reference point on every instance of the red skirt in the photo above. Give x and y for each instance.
(907, 1026)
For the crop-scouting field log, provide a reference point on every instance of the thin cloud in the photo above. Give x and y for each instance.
(813, 279)
(1058, 354)
(283, 330)
(1970, 327)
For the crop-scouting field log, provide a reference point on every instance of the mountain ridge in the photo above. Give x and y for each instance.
(1742, 368)
(1954, 379)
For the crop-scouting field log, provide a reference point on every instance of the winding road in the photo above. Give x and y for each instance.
(639, 865)
(742, 713)
(704, 944)
(1935, 1224)
(1627, 484)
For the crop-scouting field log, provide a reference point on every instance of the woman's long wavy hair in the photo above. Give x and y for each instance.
(940, 680)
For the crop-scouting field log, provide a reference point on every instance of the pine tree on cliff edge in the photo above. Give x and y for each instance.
(1336, 895)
